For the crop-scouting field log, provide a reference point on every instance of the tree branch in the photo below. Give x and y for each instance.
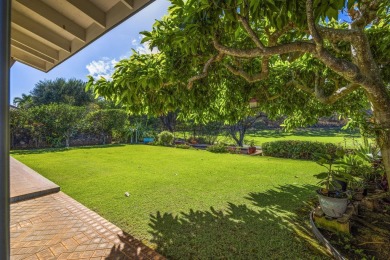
(325, 99)
(304, 47)
(337, 35)
(251, 78)
(205, 70)
(312, 26)
(250, 32)
(367, 14)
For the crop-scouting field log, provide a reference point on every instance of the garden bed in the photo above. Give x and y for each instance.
(370, 231)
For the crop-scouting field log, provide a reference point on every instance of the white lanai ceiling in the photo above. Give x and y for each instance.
(46, 32)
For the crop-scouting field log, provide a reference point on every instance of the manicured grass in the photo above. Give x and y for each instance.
(188, 203)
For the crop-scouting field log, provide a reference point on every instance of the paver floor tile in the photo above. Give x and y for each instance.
(71, 232)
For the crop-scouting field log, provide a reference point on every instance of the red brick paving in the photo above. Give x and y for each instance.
(55, 226)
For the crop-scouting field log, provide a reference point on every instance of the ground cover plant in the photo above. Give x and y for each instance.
(189, 203)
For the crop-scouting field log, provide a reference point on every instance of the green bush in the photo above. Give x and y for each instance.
(234, 150)
(183, 146)
(165, 138)
(297, 149)
(217, 148)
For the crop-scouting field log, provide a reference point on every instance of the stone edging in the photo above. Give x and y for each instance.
(333, 251)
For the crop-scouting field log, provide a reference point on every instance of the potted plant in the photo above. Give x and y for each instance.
(372, 156)
(332, 199)
(252, 147)
(353, 166)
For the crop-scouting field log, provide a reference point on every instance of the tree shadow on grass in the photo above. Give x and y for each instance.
(264, 229)
(131, 248)
(58, 150)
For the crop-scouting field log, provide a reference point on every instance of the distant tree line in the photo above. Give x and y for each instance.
(62, 113)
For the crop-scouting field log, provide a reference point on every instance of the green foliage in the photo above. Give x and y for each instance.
(25, 101)
(60, 90)
(234, 150)
(330, 178)
(166, 138)
(297, 149)
(217, 148)
(55, 122)
(104, 121)
(183, 146)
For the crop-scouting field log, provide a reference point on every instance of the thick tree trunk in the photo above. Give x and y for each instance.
(239, 129)
(169, 121)
(382, 132)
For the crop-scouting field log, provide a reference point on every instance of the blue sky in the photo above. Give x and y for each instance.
(98, 58)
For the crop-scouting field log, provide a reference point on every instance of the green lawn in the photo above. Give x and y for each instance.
(189, 203)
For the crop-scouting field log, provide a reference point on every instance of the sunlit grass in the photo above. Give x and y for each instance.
(188, 203)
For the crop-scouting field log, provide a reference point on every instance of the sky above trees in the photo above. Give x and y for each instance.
(96, 59)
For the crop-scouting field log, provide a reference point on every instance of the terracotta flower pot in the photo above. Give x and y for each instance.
(251, 150)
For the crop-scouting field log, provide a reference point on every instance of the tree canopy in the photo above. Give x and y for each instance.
(302, 58)
(60, 90)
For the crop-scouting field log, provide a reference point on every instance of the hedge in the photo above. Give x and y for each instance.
(297, 149)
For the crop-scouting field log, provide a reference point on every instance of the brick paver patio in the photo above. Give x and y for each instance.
(55, 226)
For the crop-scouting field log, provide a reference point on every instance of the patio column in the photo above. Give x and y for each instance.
(5, 7)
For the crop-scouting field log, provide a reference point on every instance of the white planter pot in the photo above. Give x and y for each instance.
(333, 207)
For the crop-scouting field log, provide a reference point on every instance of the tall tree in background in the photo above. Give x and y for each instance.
(60, 90)
(25, 101)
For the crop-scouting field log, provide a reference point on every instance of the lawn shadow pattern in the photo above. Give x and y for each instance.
(262, 230)
(131, 248)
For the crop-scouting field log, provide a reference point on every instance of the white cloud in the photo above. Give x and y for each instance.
(105, 66)
(102, 68)
(143, 48)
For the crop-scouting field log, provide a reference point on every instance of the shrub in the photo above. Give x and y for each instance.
(234, 150)
(165, 138)
(217, 148)
(183, 146)
(198, 140)
(297, 149)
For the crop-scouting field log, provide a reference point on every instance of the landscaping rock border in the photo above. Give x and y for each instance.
(333, 251)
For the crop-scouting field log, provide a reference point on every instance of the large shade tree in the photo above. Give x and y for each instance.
(60, 90)
(316, 56)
